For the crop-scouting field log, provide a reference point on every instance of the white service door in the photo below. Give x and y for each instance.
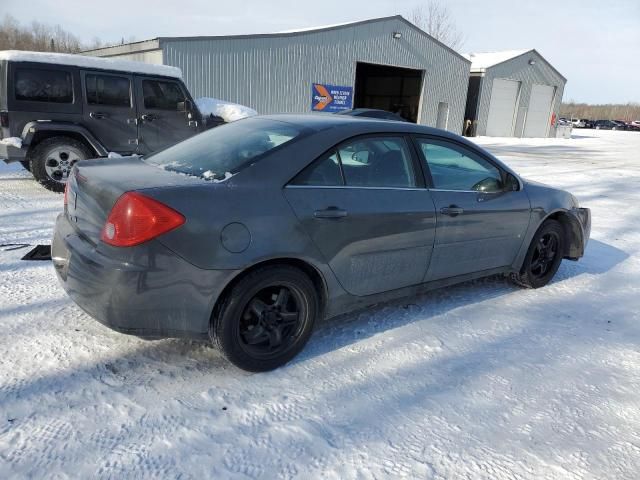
(539, 111)
(502, 107)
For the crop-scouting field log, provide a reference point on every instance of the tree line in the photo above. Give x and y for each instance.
(40, 37)
(626, 112)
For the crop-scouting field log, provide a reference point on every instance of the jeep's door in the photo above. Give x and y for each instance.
(109, 111)
(164, 120)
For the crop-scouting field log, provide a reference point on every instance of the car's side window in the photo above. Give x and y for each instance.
(377, 162)
(39, 85)
(324, 172)
(162, 95)
(108, 90)
(456, 168)
(363, 162)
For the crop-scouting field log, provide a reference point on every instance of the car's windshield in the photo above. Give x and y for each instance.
(222, 151)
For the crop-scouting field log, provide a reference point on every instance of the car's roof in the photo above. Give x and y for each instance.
(318, 121)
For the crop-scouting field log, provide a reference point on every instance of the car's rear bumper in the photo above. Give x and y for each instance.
(10, 153)
(153, 294)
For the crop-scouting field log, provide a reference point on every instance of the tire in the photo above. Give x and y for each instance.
(254, 327)
(536, 273)
(53, 158)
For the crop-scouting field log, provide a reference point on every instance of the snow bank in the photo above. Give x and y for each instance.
(12, 141)
(228, 111)
(91, 62)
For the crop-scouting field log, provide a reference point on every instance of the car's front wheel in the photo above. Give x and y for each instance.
(53, 158)
(266, 318)
(543, 257)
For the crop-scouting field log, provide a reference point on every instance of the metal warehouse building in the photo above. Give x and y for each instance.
(513, 93)
(386, 63)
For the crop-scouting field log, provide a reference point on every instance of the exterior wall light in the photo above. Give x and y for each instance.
(397, 35)
(532, 62)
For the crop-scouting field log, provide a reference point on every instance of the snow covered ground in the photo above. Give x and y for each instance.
(479, 381)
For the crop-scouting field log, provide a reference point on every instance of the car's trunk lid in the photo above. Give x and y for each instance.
(95, 186)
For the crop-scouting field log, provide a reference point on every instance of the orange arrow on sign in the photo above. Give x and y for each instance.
(323, 98)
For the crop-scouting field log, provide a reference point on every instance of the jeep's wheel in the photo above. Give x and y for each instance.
(266, 318)
(53, 158)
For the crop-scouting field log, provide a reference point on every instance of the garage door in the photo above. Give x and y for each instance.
(502, 107)
(539, 111)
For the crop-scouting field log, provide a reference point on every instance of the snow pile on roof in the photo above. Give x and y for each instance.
(12, 141)
(90, 62)
(228, 111)
(482, 60)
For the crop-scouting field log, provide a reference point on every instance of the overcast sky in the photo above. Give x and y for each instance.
(595, 44)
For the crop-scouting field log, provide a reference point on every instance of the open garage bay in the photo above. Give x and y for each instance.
(482, 380)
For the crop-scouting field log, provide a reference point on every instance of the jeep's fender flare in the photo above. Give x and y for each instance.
(32, 128)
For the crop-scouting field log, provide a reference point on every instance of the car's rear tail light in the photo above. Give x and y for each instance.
(4, 119)
(136, 218)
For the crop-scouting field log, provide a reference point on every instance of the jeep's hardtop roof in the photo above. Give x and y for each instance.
(84, 61)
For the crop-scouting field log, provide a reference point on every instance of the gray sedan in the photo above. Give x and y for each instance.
(251, 232)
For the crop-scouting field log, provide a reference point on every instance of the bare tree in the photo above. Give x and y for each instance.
(627, 112)
(435, 18)
(39, 37)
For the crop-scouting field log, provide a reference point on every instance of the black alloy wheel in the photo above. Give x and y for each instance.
(266, 317)
(543, 257)
(544, 254)
(271, 321)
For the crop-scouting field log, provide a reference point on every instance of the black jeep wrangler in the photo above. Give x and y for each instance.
(56, 109)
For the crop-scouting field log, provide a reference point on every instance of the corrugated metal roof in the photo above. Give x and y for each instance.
(302, 31)
(481, 61)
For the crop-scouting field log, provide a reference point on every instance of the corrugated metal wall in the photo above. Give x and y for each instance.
(519, 69)
(273, 74)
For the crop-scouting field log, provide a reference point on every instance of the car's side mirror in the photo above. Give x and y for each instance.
(186, 106)
(511, 183)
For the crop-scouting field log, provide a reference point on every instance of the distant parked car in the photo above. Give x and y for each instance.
(251, 233)
(633, 126)
(58, 109)
(578, 123)
(587, 123)
(607, 125)
(373, 113)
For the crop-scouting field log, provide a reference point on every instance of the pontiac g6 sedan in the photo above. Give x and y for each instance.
(250, 233)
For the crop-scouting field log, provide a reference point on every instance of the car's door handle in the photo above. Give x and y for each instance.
(451, 210)
(149, 117)
(330, 212)
(98, 115)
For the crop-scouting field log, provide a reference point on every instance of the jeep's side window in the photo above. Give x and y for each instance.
(39, 85)
(108, 90)
(162, 95)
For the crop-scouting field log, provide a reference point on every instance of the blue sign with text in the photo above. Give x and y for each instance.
(330, 98)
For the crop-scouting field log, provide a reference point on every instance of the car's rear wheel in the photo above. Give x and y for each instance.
(266, 318)
(543, 257)
(53, 158)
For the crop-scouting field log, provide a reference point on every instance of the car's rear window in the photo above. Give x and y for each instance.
(223, 151)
